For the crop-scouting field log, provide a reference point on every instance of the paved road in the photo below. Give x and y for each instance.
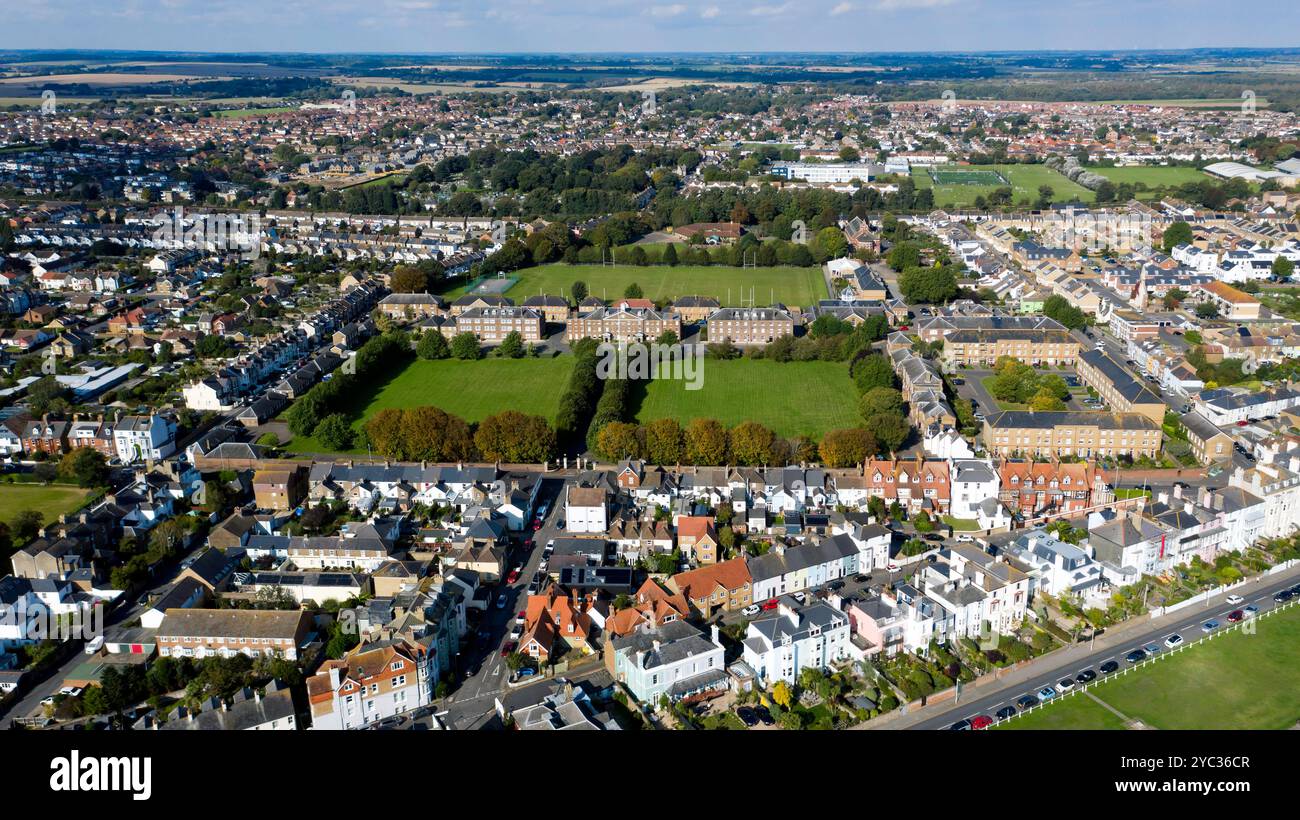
(471, 705)
(989, 698)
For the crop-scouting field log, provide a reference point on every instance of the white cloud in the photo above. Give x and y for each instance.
(842, 8)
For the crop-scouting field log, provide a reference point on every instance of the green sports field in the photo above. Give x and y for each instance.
(794, 398)
(1024, 179)
(1152, 176)
(472, 390)
(51, 501)
(787, 285)
(1235, 681)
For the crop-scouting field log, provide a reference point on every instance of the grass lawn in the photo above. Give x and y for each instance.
(1024, 179)
(51, 501)
(472, 390)
(1235, 681)
(987, 381)
(787, 285)
(961, 524)
(1152, 176)
(1131, 492)
(1075, 712)
(795, 398)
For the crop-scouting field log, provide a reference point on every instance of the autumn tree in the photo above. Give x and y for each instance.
(845, 448)
(707, 442)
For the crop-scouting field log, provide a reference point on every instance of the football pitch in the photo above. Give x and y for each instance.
(791, 398)
(966, 176)
(472, 390)
(791, 286)
(963, 184)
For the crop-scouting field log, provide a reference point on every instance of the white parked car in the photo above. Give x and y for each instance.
(751, 610)
(94, 644)
(1173, 640)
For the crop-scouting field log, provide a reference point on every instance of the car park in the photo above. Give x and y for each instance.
(1173, 640)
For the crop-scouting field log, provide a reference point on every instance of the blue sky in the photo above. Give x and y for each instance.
(443, 26)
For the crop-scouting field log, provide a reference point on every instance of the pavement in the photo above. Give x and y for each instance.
(990, 693)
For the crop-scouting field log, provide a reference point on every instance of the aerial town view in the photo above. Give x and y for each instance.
(504, 367)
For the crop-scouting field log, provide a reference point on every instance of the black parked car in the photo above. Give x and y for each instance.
(1108, 667)
(960, 726)
(764, 715)
(1086, 676)
(1136, 655)
(1028, 701)
(747, 716)
(1006, 712)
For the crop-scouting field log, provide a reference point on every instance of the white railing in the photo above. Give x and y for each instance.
(1081, 688)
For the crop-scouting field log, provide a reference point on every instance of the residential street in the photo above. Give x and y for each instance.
(987, 695)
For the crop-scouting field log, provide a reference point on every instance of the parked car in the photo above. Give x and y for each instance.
(770, 603)
(1173, 640)
(1235, 616)
(1210, 625)
(507, 648)
(521, 616)
(1151, 648)
(71, 691)
(501, 601)
(1064, 685)
(513, 576)
(1046, 693)
(1006, 712)
(960, 726)
(1250, 611)
(981, 722)
(1282, 597)
(94, 644)
(1108, 667)
(751, 610)
(764, 715)
(747, 716)
(800, 597)
(1086, 676)
(1027, 702)
(1136, 656)
(1233, 600)
(525, 672)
